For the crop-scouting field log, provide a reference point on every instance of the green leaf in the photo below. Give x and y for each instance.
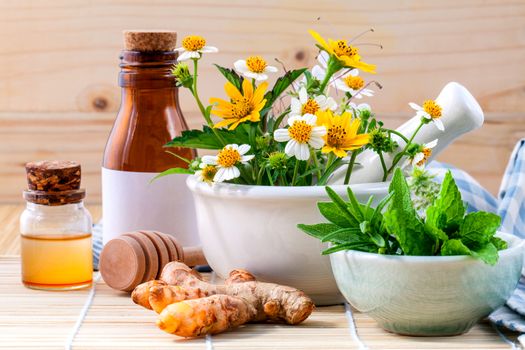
(231, 76)
(448, 209)
(401, 220)
(172, 171)
(499, 243)
(377, 217)
(436, 232)
(354, 207)
(361, 246)
(282, 84)
(342, 205)
(318, 230)
(454, 247)
(206, 139)
(478, 228)
(334, 214)
(488, 253)
(344, 235)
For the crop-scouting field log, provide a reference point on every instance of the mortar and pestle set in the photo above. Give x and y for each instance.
(266, 241)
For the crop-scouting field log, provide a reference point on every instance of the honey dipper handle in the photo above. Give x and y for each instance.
(194, 256)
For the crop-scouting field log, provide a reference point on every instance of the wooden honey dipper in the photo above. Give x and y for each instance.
(136, 257)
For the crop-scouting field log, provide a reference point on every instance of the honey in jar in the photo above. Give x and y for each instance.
(55, 228)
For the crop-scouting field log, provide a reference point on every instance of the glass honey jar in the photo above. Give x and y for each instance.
(55, 227)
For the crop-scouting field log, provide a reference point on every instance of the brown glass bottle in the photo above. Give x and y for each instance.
(149, 117)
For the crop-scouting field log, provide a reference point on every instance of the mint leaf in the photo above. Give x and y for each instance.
(318, 230)
(402, 222)
(487, 253)
(448, 209)
(454, 247)
(335, 215)
(499, 243)
(172, 171)
(478, 228)
(362, 246)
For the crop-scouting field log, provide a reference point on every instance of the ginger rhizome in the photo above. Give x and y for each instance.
(188, 306)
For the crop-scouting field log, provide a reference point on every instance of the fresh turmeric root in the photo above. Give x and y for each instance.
(182, 293)
(210, 315)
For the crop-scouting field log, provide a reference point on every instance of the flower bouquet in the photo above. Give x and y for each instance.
(301, 130)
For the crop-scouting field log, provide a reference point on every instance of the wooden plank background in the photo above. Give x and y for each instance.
(59, 66)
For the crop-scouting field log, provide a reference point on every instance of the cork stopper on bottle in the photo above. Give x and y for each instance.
(54, 182)
(150, 40)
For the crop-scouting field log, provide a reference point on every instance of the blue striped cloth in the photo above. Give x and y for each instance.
(510, 205)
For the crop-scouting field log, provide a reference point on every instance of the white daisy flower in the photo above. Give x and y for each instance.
(360, 107)
(431, 111)
(193, 46)
(207, 173)
(254, 67)
(351, 82)
(227, 160)
(420, 158)
(301, 133)
(304, 105)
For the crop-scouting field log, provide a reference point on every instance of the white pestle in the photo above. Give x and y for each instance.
(461, 114)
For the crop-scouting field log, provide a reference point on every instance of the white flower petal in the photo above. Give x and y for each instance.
(319, 131)
(318, 72)
(271, 69)
(240, 66)
(353, 72)
(418, 158)
(209, 49)
(340, 85)
(302, 152)
(246, 159)
(415, 106)
(220, 175)
(432, 144)
(230, 173)
(243, 149)
(303, 95)
(322, 58)
(316, 142)
(180, 49)
(210, 160)
(439, 124)
(184, 56)
(295, 106)
(232, 146)
(331, 104)
(281, 135)
(261, 77)
(310, 119)
(290, 148)
(294, 118)
(250, 74)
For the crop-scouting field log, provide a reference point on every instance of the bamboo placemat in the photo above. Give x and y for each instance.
(45, 320)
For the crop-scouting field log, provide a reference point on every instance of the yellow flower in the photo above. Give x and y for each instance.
(341, 135)
(347, 54)
(242, 107)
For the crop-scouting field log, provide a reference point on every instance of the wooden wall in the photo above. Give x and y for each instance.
(59, 64)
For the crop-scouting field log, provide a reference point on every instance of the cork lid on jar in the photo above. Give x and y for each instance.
(53, 182)
(150, 40)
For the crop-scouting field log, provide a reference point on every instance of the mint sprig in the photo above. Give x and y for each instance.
(394, 227)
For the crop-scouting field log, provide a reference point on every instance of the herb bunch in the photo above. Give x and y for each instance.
(395, 228)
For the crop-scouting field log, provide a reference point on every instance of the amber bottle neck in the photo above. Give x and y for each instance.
(147, 70)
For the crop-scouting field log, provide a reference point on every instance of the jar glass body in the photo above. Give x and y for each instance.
(56, 247)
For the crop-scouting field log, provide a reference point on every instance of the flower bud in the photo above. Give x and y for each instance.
(182, 73)
(277, 161)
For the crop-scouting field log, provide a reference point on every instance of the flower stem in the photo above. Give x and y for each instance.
(330, 70)
(383, 165)
(350, 166)
(398, 158)
(295, 169)
(199, 102)
(395, 132)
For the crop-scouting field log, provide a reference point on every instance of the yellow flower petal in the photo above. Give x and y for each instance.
(259, 92)
(247, 89)
(320, 41)
(232, 91)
